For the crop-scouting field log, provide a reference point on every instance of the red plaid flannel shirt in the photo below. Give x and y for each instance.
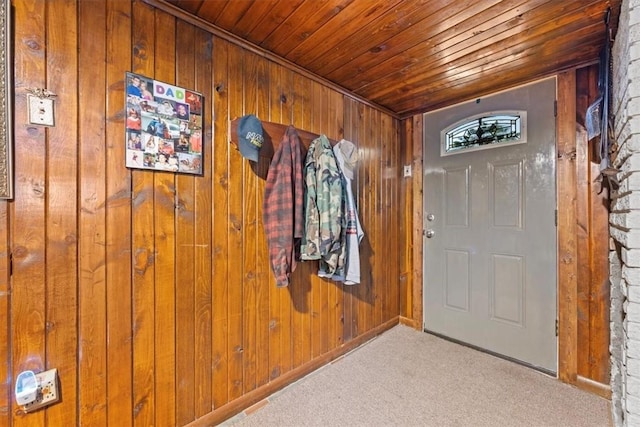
(283, 206)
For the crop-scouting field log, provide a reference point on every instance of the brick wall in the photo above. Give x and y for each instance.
(625, 221)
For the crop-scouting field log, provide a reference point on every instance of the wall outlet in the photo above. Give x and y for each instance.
(48, 392)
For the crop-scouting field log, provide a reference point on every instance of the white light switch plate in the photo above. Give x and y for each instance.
(40, 111)
(407, 170)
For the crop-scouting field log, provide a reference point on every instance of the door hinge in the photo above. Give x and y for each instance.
(556, 327)
(556, 215)
(10, 264)
(555, 108)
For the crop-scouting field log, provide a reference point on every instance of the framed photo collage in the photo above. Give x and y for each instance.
(163, 126)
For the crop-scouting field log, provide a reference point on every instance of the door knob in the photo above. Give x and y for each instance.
(430, 233)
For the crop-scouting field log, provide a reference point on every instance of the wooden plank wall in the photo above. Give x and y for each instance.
(583, 242)
(151, 292)
(593, 238)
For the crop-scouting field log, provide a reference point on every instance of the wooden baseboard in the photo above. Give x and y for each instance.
(587, 384)
(409, 322)
(227, 411)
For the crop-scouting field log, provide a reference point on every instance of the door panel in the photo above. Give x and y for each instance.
(490, 265)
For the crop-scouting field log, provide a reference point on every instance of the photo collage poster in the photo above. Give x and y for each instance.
(163, 126)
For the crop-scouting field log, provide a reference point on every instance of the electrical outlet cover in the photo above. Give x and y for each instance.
(41, 111)
(48, 392)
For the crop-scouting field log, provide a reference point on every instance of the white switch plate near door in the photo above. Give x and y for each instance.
(40, 110)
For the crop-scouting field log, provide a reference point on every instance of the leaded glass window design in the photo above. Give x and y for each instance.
(487, 130)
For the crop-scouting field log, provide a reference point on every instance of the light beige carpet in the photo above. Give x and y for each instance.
(409, 378)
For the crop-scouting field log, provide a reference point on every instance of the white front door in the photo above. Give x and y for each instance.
(490, 233)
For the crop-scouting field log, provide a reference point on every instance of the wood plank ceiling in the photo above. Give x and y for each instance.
(412, 56)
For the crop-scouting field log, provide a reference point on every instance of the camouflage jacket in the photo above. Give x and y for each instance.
(324, 206)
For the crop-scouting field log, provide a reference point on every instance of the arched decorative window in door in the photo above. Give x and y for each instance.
(487, 130)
